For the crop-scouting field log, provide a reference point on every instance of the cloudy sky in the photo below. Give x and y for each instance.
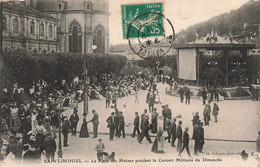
(182, 13)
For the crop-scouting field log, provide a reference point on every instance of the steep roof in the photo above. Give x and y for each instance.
(26, 10)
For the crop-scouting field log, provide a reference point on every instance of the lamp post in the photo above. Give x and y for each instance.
(59, 109)
(157, 71)
(60, 153)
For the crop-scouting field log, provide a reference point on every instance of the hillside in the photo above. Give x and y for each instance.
(234, 21)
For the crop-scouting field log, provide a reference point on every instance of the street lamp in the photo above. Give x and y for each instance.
(59, 109)
(157, 65)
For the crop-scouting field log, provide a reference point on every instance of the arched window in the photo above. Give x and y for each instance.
(31, 3)
(16, 25)
(99, 41)
(50, 31)
(75, 37)
(41, 29)
(4, 23)
(32, 27)
(88, 6)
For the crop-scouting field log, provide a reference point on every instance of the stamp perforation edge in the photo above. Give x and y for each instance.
(139, 2)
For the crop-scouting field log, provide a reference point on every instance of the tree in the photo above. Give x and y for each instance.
(214, 76)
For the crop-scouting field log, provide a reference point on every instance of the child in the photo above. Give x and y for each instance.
(4, 126)
(100, 150)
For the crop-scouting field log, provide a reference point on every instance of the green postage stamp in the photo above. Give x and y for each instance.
(144, 18)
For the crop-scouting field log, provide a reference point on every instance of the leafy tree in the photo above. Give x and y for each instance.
(214, 76)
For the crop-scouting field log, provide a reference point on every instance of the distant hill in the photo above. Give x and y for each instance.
(234, 21)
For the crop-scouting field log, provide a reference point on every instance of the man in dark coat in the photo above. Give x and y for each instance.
(181, 92)
(95, 123)
(136, 125)
(145, 130)
(179, 136)
(74, 119)
(168, 129)
(185, 142)
(65, 131)
(196, 137)
(187, 95)
(116, 118)
(111, 125)
(166, 112)
(204, 95)
(121, 124)
(49, 145)
(196, 118)
(201, 137)
(173, 132)
(151, 102)
(215, 112)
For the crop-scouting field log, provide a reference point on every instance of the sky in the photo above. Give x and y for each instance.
(182, 13)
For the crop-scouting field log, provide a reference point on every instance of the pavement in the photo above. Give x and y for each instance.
(237, 118)
(236, 131)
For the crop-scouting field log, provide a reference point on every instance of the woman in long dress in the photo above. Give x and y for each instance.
(84, 128)
(158, 145)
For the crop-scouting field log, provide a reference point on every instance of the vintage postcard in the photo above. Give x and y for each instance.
(135, 83)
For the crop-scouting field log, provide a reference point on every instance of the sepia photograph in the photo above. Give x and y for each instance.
(131, 83)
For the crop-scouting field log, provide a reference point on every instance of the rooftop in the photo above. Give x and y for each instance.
(26, 10)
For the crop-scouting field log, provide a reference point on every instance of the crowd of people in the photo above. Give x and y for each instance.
(31, 120)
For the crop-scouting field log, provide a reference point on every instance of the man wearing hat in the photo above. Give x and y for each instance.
(179, 135)
(136, 125)
(196, 137)
(145, 130)
(206, 114)
(201, 137)
(111, 125)
(121, 124)
(49, 145)
(185, 142)
(173, 132)
(215, 112)
(65, 131)
(74, 119)
(168, 128)
(95, 123)
(196, 117)
(166, 112)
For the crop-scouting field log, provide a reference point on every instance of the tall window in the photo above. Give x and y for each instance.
(4, 23)
(99, 41)
(16, 25)
(32, 27)
(41, 29)
(75, 41)
(50, 31)
(31, 3)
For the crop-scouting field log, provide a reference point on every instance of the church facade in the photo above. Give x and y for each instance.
(27, 28)
(83, 24)
(75, 26)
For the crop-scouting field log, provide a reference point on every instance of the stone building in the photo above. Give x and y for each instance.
(28, 28)
(78, 18)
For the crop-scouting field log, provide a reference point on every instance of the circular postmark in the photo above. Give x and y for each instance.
(147, 36)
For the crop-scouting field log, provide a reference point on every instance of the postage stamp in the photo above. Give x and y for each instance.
(131, 16)
(147, 44)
